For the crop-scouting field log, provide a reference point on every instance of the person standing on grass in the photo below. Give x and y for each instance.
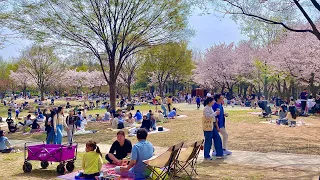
(221, 122)
(17, 113)
(213, 134)
(58, 123)
(71, 121)
(304, 97)
(198, 101)
(169, 103)
(9, 113)
(120, 149)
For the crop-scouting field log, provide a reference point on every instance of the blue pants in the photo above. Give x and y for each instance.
(51, 136)
(208, 136)
(164, 110)
(59, 134)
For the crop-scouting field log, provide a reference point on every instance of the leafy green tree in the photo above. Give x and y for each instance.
(163, 61)
(112, 30)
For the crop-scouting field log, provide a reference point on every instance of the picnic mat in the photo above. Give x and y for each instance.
(299, 123)
(105, 168)
(154, 132)
(80, 132)
(254, 113)
(182, 116)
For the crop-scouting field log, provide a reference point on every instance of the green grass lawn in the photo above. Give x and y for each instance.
(246, 132)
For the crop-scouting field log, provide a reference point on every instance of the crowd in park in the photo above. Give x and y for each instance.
(53, 121)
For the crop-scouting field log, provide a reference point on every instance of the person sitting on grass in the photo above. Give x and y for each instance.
(120, 149)
(91, 161)
(172, 114)
(149, 113)
(5, 145)
(130, 121)
(138, 116)
(146, 123)
(27, 121)
(141, 151)
(153, 122)
(35, 126)
(114, 124)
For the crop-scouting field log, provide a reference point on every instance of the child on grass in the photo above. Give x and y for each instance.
(91, 161)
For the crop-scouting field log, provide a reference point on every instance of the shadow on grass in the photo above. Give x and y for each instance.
(38, 173)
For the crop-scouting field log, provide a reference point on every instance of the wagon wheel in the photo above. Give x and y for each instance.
(61, 169)
(70, 166)
(27, 167)
(44, 164)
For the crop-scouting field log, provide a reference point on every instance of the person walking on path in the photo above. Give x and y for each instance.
(221, 122)
(210, 131)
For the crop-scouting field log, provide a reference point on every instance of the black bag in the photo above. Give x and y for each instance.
(160, 128)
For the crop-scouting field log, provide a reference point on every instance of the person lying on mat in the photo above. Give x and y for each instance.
(121, 146)
(91, 161)
(5, 145)
(141, 151)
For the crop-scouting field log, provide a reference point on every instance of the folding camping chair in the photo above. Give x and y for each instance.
(166, 162)
(188, 158)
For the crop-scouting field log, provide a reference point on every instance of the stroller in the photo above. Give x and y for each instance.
(11, 126)
(265, 108)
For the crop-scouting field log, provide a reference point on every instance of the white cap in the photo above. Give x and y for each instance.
(208, 95)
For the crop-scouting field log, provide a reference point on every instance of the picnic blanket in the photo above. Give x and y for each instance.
(80, 132)
(299, 123)
(156, 131)
(182, 116)
(109, 168)
(254, 113)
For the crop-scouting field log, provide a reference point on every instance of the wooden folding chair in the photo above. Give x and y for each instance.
(166, 162)
(188, 158)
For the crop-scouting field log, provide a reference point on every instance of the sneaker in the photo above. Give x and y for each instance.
(215, 154)
(221, 157)
(208, 159)
(227, 152)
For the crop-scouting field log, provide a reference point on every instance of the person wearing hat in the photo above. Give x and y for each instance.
(5, 145)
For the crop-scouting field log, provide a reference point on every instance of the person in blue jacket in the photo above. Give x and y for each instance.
(138, 116)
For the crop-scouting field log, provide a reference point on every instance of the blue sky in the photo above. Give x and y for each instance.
(209, 30)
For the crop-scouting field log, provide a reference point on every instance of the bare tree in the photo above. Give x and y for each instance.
(275, 12)
(112, 30)
(128, 72)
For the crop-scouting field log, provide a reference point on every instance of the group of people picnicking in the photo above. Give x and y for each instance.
(127, 158)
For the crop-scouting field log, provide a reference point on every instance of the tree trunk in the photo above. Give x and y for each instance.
(42, 94)
(313, 88)
(113, 94)
(129, 91)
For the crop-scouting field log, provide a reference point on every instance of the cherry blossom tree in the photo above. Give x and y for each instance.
(223, 65)
(298, 55)
(22, 79)
(42, 67)
(77, 80)
(96, 80)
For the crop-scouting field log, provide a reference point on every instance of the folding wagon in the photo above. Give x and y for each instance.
(45, 153)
